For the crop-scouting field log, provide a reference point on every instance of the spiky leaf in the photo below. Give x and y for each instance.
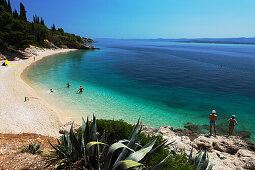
(126, 164)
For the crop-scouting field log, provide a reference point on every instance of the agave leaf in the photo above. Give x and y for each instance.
(90, 144)
(204, 156)
(156, 167)
(61, 162)
(111, 151)
(210, 167)
(190, 155)
(75, 143)
(198, 157)
(98, 158)
(135, 129)
(157, 148)
(126, 164)
(205, 164)
(94, 130)
(125, 141)
(83, 145)
(87, 132)
(57, 149)
(68, 143)
(132, 140)
(199, 164)
(140, 154)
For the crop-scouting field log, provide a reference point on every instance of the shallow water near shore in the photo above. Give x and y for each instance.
(164, 83)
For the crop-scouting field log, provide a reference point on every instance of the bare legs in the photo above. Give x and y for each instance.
(214, 126)
(230, 130)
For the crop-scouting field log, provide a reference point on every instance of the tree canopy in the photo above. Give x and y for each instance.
(18, 33)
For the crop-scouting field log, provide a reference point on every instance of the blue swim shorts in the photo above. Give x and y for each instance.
(212, 123)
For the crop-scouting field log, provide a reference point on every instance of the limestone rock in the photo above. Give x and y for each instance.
(66, 127)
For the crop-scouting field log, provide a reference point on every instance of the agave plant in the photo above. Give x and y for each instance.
(201, 161)
(32, 148)
(92, 153)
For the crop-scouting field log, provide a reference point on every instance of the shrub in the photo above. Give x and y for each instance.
(118, 130)
(32, 148)
(82, 150)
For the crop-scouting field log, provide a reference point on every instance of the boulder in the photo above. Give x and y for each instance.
(249, 164)
(223, 146)
(166, 131)
(190, 126)
(149, 130)
(243, 134)
(184, 132)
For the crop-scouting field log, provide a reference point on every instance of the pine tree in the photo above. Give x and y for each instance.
(42, 21)
(9, 8)
(4, 4)
(53, 28)
(15, 14)
(23, 14)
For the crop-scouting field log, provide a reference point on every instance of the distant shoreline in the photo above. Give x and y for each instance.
(215, 42)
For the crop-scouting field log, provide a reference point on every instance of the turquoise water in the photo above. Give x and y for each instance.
(164, 83)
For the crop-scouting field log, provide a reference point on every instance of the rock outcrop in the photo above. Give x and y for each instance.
(226, 152)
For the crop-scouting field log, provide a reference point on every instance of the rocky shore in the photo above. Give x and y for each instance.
(226, 152)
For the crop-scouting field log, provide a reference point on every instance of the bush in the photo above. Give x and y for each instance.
(118, 130)
(32, 148)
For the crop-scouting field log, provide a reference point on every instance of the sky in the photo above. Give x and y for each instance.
(147, 18)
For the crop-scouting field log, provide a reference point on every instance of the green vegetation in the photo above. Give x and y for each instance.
(200, 161)
(32, 148)
(89, 148)
(18, 33)
(118, 130)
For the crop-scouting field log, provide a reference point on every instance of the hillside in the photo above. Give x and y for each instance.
(17, 33)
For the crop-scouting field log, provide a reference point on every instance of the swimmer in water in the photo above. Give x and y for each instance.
(68, 84)
(80, 89)
(51, 91)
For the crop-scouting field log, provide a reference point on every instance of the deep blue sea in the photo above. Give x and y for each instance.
(164, 83)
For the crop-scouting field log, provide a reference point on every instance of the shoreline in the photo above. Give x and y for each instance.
(34, 116)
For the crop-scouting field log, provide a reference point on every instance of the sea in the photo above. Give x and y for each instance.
(164, 83)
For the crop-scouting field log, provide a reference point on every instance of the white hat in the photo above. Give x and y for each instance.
(213, 111)
(233, 115)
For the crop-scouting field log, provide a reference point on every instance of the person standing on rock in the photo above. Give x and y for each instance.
(232, 122)
(213, 118)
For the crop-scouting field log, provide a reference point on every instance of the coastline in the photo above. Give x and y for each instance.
(34, 116)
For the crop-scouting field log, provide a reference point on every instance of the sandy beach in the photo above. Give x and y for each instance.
(18, 116)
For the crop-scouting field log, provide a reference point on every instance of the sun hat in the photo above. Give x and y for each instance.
(213, 111)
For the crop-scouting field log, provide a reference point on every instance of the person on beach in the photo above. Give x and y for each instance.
(232, 122)
(80, 89)
(213, 118)
(68, 84)
(26, 99)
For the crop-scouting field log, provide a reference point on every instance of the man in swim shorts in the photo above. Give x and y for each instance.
(232, 122)
(213, 118)
(80, 89)
(68, 84)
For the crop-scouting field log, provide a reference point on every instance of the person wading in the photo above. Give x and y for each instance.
(232, 122)
(213, 118)
(80, 90)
